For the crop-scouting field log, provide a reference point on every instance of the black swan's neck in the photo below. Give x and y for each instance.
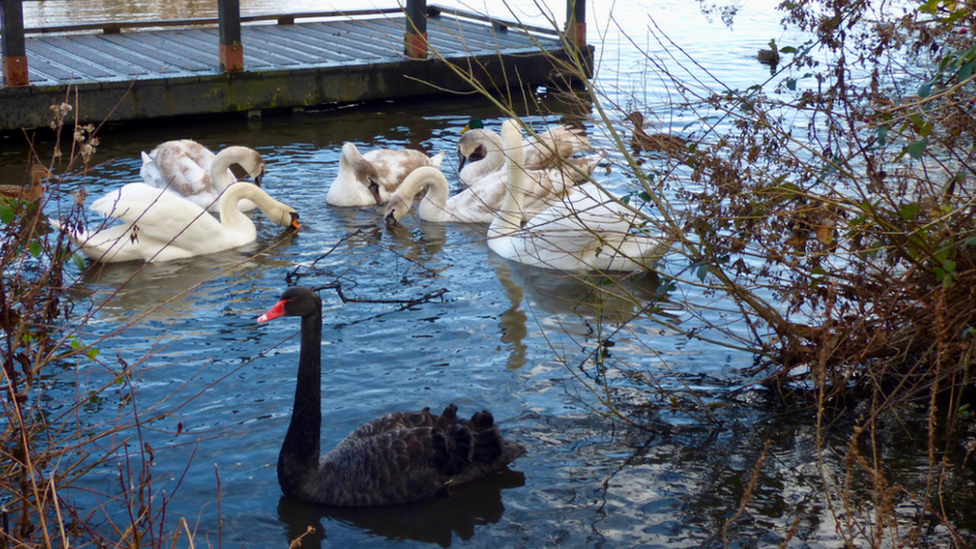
(300, 450)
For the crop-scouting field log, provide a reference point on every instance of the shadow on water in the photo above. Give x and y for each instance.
(434, 520)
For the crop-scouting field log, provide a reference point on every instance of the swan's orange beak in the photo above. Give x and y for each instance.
(294, 221)
(275, 312)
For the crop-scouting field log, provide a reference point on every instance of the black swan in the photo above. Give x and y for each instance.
(397, 458)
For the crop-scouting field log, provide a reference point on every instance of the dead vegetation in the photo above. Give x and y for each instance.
(833, 205)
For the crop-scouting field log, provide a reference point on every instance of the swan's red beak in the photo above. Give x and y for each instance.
(275, 312)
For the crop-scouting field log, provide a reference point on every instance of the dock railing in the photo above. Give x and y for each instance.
(231, 51)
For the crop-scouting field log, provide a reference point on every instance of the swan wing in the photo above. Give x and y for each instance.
(394, 165)
(160, 215)
(588, 210)
(395, 422)
(394, 466)
(149, 172)
(480, 203)
(475, 204)
(177, 164)
(584, 222)
(189, 178)
(436, 160)
(545, 150)
(196, 152)
(405, 457)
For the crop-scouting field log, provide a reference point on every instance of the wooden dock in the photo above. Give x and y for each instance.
(200, 66)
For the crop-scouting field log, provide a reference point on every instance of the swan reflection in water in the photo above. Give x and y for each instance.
(433, 520)
(562, 296)
(173, 290)
(565, 296)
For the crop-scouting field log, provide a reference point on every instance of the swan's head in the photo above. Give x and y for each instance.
(470, 149)
(279, 213)
(363, 170)
(350, 153)
(396, 209)
(374, 189)
(424, 177)
(286, 216)
(297, 301)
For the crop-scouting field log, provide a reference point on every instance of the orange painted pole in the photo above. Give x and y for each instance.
(576, 22)
(415, 40)
(14, 64)
(229, 22)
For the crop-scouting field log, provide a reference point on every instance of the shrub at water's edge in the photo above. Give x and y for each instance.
(833, 204)
(50, 441)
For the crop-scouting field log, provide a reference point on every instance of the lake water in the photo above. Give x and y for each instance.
(518, 342)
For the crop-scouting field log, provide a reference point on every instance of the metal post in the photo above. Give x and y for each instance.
(415, 40)
(231, 49)
(14, 63)
(576, 22)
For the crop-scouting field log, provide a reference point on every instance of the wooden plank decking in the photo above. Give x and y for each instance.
(171, 72)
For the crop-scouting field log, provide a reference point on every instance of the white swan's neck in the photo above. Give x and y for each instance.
(494, 152)
(492, 161)
(351, 158)
(231, 216)
(437, 191)
(219, 174)
(494, 155)
(509, 218)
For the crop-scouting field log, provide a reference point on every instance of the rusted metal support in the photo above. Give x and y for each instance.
(14, 63)
(415, 41)
(576, 22)
(229, 22)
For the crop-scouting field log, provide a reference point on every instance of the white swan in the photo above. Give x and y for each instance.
(474, 204)
(586, 231)
(192, 171)
(161, 226)
(481, 156)
(372, 178)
